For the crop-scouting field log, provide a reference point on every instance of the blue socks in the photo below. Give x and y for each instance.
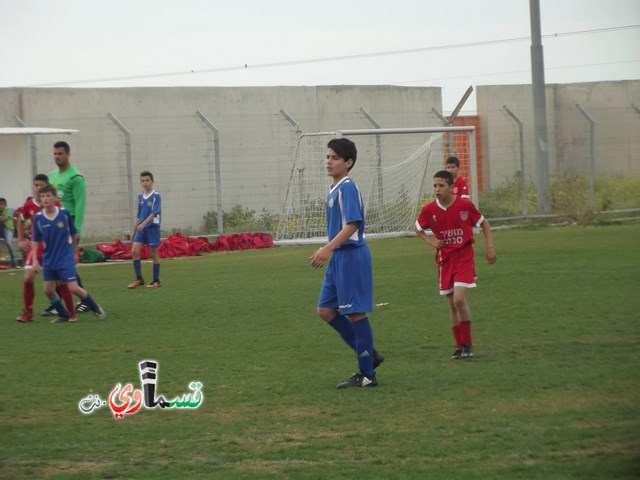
(156, 272)
(364, 345)
(57, 304)
(359, 337)
(91, 302)
(343, 326)
(137, 269)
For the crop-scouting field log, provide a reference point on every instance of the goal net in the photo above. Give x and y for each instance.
(393, 170)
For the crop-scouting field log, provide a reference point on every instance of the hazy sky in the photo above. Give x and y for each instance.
(448, 43)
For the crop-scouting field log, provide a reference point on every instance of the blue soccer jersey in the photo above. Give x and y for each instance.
(348, 281)
(147, 205)
(344, 205)
(55, 233)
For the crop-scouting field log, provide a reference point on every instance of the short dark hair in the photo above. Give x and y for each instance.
(147, 173)
(445, 175)
(3, 200)
(48, 188)
(453, 161)
(64, 145)
(42, 177)
(344, 148)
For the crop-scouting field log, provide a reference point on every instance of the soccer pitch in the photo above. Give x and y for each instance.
(553, 391)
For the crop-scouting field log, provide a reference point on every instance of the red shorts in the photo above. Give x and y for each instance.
(457, 271)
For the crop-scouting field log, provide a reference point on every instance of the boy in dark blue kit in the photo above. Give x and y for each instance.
(146, 230)
(54, 227)
(347, 290)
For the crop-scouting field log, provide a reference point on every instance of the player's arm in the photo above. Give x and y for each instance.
(432, 240)
(20, 228)
(488, 237)
(320, 257)
(141, 226)
(79, 192)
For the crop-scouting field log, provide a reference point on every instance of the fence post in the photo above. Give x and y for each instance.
(592, 152)
(523, 184)
(375, 124)
(127, 143)
(216, 160)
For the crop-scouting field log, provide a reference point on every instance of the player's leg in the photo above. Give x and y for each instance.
(153, 240)
(327, 308)
(354, 284)
(87, 299)
(455, 327)
(464, 278)
(28, 291)
(50, 279)
(63, 290)
(137, 267)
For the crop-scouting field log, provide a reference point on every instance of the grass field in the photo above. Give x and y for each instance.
(553, 392)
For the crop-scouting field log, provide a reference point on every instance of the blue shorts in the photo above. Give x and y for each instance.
(149, 236)
(65, 274)
(348, 281)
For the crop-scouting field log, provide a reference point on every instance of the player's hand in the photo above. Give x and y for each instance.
(491, 255)
(319, 258)
(35, 267)
(24, 245)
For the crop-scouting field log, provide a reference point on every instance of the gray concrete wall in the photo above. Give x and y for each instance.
(610, 104)
(256, 142)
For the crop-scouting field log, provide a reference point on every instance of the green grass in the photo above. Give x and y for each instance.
(552, 393)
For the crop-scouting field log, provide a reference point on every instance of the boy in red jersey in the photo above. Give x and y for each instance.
(460, 187)
(452, 219)
(32, 206)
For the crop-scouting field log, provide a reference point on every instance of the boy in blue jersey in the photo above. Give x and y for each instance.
(146, 229)
(346, 294)
(54, 228)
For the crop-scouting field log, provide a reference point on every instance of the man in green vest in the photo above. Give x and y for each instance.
(71, 189)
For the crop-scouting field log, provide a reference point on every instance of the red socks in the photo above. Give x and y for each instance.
(465, 332)
(457, 335)
(28, 294)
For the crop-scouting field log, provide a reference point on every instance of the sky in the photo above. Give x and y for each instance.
(452, 44)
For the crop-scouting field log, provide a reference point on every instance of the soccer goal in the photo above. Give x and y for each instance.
(393, 170)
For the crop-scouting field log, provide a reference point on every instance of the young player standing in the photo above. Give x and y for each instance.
(460, 187)
(146, 229)
(24, 226)
(452, 219)
(54, 227)
(347, 290)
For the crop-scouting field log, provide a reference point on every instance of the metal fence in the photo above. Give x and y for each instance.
(225, 174)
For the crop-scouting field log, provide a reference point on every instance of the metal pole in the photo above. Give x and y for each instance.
(32, 148)
(592, 153)
(539, 108)
(127, 143)
(523, 183)
(375, 124)
(473, 163)
(445, 121)
(290, 119)
(216, 160)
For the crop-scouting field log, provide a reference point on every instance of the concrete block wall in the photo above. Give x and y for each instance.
(257, 143)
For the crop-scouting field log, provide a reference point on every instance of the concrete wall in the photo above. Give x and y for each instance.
(257, 143)
(610, 104)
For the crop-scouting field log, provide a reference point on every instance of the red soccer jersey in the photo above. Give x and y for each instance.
(453, 224)
(460, 188)
(29, 210)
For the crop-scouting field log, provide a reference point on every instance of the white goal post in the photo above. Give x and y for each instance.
(393, 171)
